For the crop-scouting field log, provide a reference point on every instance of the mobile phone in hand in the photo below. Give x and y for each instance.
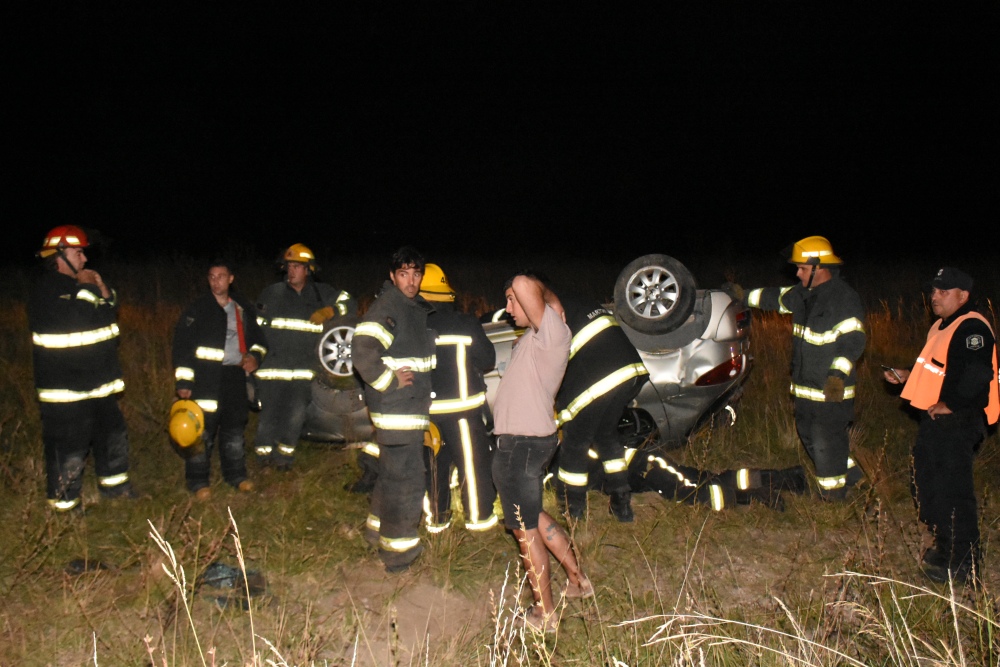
(893, 371)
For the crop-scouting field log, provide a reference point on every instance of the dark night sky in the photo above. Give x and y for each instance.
(492, 127)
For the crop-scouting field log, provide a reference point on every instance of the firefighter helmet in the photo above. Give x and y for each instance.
(813, 250)
(434, 285)
(297, 252)
(187, 422)
(63, 236)
(432, 438)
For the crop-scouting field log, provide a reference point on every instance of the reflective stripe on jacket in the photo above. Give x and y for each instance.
(74, 340)
(284, 316)
(828, 333)
(601, 357)
(391, 335)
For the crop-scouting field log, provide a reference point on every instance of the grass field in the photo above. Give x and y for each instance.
(816, 584)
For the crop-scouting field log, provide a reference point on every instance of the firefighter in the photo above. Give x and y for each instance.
(654, 471)
(291, 313)
(464, 354)
(393, 352)
(217, 344)
(78, 376)
(604, 374)
(828, 329)
(954, 385)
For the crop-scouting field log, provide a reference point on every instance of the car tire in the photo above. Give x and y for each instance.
(336, 368)
(654, 294)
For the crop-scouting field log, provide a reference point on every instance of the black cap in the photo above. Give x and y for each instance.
(949, 278)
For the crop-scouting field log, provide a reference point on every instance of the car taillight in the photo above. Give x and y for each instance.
(724, 372)
(742, 322)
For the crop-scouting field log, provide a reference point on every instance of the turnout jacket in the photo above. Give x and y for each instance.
(284, 314)
(75, 340)
(957, 366)
(601, 357)
(463, 354)
(828, 333)
(200, 342)
(393, 334)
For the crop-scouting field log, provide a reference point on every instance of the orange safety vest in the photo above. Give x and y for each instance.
(923, 387)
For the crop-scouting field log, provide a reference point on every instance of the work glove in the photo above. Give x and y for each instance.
(833, 390)
(734, 290)
(321, 315)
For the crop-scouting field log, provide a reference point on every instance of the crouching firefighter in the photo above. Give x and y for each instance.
(603, 375)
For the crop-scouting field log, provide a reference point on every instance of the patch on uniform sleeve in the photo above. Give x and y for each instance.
(390, 323)
(188, 321)
(974, 342)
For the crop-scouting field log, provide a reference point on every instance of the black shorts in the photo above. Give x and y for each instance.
(519, 466)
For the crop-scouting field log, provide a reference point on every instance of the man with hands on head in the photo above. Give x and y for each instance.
(524, 424)
(954, 384)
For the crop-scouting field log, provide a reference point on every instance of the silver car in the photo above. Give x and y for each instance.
(694, 342)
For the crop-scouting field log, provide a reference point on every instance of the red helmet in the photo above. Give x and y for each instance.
(63, 236)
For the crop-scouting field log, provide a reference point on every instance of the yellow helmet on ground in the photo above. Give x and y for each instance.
(432, 438)
(434, 285)
(297, 252)
(187, 423)
(813, 250)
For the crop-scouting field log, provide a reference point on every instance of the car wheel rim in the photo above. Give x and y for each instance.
(652, 292)
(335, 352)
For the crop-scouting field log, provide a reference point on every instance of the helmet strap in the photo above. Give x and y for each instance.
(812, 274)
(60, 253)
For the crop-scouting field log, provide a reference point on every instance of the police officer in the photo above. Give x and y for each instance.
(954, 385)
(464, 354)
(393, 352)
(217, 343)
(603, 375)
(828, 337)
(291, 314)
(78, 377)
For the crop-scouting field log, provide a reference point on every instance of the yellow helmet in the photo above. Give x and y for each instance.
(187, 422)
(298, 252)
(813, 250)
(432, 438)
(434, 285)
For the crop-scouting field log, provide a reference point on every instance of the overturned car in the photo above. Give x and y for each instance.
(694, 343)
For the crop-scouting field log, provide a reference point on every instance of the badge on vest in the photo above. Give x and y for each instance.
(974, 342)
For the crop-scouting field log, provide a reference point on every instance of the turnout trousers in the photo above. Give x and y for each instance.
(595, 426)
(228, 423)
(466, 446)
(942, 482)
(282, 415)
(822, 427)
(396, 502)
(69, 431)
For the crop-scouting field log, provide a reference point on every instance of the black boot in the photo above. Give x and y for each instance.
(364, 484)
(765, 495)
(572, 500)
(621, 506)
(787, 479)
